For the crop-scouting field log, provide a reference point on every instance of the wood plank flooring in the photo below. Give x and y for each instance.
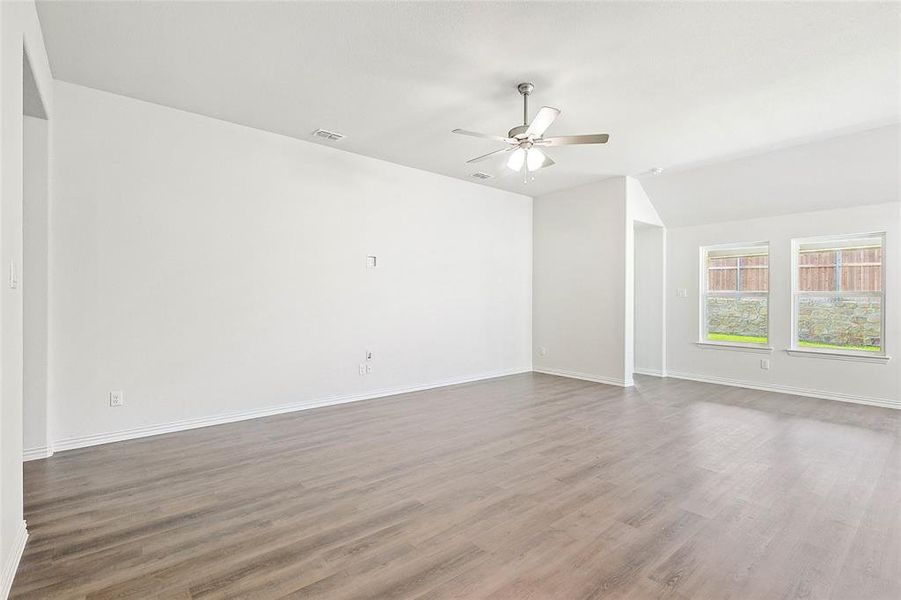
(522, 487)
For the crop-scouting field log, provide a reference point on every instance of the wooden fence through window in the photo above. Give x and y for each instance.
(738, 273)
(846, 270)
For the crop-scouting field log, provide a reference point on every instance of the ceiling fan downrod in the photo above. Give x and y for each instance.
(525, 89)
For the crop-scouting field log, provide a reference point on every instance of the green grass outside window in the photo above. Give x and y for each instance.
(741, 339)
(753, 339)
(839, 347)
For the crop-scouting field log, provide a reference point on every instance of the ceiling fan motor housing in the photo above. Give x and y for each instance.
(518, 131)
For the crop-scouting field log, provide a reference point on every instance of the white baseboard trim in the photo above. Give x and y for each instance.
(148, 430)
(586, 377)
(12, 561)
(37, 453)
(785, 389)
(651, 372)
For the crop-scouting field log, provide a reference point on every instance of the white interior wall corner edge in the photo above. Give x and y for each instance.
(20, 33)
(208, 269)
(850, 381)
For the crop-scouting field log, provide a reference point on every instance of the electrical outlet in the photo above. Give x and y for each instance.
(362, 369)
(368, 369)
(765, 363)
(682, 293)
(542, 351)
(117, 398)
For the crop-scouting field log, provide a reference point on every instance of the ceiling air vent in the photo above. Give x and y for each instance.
(481, 175)
(328, 135)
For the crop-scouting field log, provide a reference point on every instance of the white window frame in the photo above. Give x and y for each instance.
(796, 349)
(704, 292)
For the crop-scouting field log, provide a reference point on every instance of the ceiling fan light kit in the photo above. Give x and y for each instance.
(525, 141)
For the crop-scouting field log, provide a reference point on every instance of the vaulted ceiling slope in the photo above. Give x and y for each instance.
(672, 82)
(849, 170)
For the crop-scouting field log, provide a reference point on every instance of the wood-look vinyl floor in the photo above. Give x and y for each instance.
(523, 487)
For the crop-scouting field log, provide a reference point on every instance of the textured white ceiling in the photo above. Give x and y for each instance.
(673, 83)
(850, 170)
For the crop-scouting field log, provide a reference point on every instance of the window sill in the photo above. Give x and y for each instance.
(839, 355)
(736, 346)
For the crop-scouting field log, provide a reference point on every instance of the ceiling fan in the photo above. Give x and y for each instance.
(526, 141)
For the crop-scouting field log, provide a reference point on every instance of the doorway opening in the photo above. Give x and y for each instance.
(31, 252)
(649, 299)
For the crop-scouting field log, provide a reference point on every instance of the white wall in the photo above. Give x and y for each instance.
(579, 267)
(207, 268)
(19, 31)
(877, 383)
(34, 287)
(650, 314)
(584, 279)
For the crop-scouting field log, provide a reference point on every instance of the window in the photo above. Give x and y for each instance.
(838, 294)
(735, 294)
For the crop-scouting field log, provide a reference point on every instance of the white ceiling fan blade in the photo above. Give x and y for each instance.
(565, 140)
(485, 136)
(542, 121)
(490, 154)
